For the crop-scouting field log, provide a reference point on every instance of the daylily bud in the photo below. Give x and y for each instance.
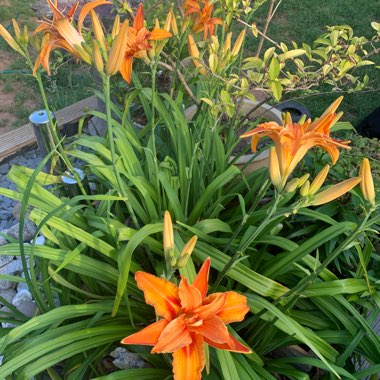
(367, 186)
(98, 60)
(186, 252)
(84, 52)
(194, 52)
(118, 50)
(168, 237)
(227, 44)
(25, 37)
(276, 229)
(292, 185)
(319, 180)
(116, 27)
(302, 120)
(173, 24)
(16, 28)
(238, 43)
(305, 189)
(213, 61)
(10, 40)
(98, 31)
(168, 22)
(274, 169)
(303, 179)
(335, 191)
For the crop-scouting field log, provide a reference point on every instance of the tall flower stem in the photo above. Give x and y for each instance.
(153, 129)
(268, 219)
(54, 134)
(121, 190)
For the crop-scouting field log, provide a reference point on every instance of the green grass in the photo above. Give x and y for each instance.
(305, 20)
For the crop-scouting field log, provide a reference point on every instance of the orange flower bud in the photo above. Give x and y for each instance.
(274, 169)
(118, 50)
(186, 252)
(238, 43)
(319, 180)
(168, 236)
(194, 52)
(10, 40)
(335, 191)
(367, 186)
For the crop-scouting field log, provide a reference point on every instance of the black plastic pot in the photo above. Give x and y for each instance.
(295, 109)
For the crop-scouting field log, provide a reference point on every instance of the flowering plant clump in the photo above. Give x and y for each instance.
(291, 266)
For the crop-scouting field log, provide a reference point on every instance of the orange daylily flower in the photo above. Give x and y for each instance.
(61, 33)
(189, 319)
(292, 140)
(138, 43)
(202, 16)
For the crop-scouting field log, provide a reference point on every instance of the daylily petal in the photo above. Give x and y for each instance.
(160, 293)
(159, 34)
(71, 12)
(201, 281)
(189, 295)
(232, 345)
(138, 22)
(188, 362)
(147, 336)
(175, 336)
(86, 10)
(234, 309)
(56, 12)
(213, 329)
(117, 53)
(255, 139)
(68, 32)
(211, 306)
(126, 69)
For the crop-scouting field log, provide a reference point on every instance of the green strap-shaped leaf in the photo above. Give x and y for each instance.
(126, 259)
(281, 264)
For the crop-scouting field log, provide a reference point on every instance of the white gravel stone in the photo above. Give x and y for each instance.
(40, 240)
(4, 260)
(22, 296)
(12, 268)
(125, 359)
(8, 295)
(27, 308)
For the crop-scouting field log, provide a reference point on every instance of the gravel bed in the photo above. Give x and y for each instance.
(30, 159)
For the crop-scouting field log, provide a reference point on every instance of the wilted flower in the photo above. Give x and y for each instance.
(61, 33)
(190, 319)
(138, 43)
(292, 140)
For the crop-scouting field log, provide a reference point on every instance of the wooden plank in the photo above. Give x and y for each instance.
(20, 138)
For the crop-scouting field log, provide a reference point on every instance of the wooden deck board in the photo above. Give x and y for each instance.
(20, 138)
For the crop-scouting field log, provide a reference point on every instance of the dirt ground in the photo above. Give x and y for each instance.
(6, 98)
